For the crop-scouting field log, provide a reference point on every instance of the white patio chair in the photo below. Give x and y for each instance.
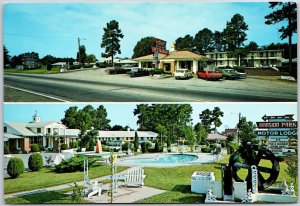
(92, 187)
(165, 150)
(135, 177)
(174, 150)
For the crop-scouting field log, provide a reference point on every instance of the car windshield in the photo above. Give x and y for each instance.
(180, 71)
(229, 70)
(210, 71)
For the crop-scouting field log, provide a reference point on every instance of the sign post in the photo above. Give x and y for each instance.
(159, 48)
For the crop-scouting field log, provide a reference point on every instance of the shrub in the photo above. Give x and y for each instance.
(63, 147)
(145, 146)
(35, 162)
(6, 149)
(206, 150)
(223, 144)
(156, 147)
(73, 67)
(15, 167)
(49, 67)
(78, 194)
(232, 147)
(73, 164)
(105, 149)
(74, 144)
(35, 148)
(41, 148)
(126, 146)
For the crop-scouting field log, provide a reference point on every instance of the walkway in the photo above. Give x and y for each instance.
(124, 195)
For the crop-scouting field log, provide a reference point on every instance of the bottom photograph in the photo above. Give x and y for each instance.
(86, 153)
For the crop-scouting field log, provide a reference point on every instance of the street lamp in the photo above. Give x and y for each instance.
(79, 58)
(238, 127)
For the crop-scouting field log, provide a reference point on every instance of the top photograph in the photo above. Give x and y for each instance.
(150, 52)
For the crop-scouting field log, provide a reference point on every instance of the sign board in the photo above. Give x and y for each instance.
(276, 145)
(159, 50)
(266, 125)
(160, 43)
(276, 133)
(231, 130)
(286, 117)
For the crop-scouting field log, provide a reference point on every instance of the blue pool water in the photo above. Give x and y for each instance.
(164, 159)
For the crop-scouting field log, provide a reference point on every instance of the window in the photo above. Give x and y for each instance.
(5, 129)
(272, 54)
(48, 130)
(55, 131)
(221, 62)
(221, 56)
(36, 140)
(39, 130)
(261, 54)
(212, 56)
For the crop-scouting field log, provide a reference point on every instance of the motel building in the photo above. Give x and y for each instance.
(19, 136)
(176, 60)
(255, 59)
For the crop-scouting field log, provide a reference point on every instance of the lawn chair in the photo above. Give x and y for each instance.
(174, 150)
(135, 177)
(92, 187)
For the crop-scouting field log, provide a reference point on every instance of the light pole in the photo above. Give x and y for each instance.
(79, 57)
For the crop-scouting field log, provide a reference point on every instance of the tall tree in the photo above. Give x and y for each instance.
(185, 43)
(218, 41)
(136, 141)
(143, 47)
(247, 131)
(252, 46)
(70, 119)
(88, 120)
(6, 57)
(204, 41)
(201, 132)
(111, 39)
(82, 54)
(285, 11)
(209, 117)
(235, 32)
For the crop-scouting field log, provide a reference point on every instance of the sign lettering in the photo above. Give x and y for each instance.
(160, 43)
(276, 124)
(286, 117)
(277, 133)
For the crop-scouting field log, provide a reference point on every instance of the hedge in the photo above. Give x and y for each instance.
(15, 167)
(35, 162)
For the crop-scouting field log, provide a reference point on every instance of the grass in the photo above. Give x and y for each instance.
(51, 197)
(54, 70)
(47, 177)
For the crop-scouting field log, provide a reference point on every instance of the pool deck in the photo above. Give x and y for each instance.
(203, 158)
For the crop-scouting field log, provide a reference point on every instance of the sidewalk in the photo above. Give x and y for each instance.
(53, 188)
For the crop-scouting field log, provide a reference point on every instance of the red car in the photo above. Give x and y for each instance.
(209, 75)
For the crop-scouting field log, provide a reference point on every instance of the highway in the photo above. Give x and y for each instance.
(142, 89)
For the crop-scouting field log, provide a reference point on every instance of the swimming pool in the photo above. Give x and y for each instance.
(164, 159)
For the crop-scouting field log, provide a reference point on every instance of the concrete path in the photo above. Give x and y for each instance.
(123, 194)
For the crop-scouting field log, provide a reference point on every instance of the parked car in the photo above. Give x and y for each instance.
(209, 75)
(116, 70)
(229, 74)
(242, 74)
(138, 72)
(182, 74)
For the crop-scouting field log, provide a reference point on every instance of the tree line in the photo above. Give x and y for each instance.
(172, 122)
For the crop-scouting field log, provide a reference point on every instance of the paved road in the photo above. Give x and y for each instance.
(96, 86)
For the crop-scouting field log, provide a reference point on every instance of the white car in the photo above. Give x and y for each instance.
(182, 74)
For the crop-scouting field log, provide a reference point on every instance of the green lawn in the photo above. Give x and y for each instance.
(51, 197)
(54, 70)
(46, 177)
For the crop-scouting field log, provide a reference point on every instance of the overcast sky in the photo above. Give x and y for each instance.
(122, 113)
(53, 29)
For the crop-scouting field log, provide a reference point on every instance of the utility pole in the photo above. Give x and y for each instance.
(79, 50)
(238, 134)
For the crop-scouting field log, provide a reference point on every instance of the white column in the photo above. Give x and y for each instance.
(195, 66)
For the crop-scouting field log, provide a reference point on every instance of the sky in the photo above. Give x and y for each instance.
(54, 28)
(122, 113)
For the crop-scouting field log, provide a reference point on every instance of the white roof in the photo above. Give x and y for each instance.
(103, 134)
(72, 132)
(21, 128)
(59, 63)
(11, 136)
(127, 61)
(43, 124)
